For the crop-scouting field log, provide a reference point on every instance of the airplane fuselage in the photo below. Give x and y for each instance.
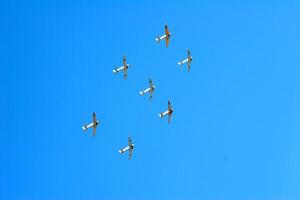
(121, 151)
(147, 90)
(90, 125)
(184, 61)
(115, 71)
(124, 149)
(159, 38)
(168, 112)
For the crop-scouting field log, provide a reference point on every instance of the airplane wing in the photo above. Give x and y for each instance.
(130, 148)
(189, 59)
(130, 154)
(94, 118)
(151, 94)
(94, 130)
(150, 84)
(125, 73)
(167, 41)
(129, 141)
(151, 89)
(167, 31)
(94, 123)
(167, 35)
(189, 53)
(125, 67)
(170, 116)
(124, 62)
(170, 113)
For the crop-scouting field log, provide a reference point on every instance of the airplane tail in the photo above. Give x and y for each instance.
(115, 71)
(84, 128)
(160, 115)
(121, 151)
(180, 63)
(157, 39)
(142, 93)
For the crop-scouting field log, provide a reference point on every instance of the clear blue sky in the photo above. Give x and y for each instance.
(235, 132)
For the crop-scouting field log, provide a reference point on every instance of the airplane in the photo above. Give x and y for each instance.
(124, 68)
(188, 60)
(150, 89)
(166, 36)
(128, 148)
(94, 124)
(169, 112)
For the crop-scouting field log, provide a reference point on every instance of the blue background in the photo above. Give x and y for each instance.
(235, 128)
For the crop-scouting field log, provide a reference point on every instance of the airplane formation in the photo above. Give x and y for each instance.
(150, 90)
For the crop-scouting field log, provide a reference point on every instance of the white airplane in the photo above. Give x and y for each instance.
(124, 68)
(128, 148)
(188, 60)
(94, 124)
(169, 112)
(166, 36)
(150, 89)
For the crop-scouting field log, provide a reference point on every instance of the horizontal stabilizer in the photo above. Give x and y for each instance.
(142, 93)
(84, 128)
(160, 115)
(157, 39)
